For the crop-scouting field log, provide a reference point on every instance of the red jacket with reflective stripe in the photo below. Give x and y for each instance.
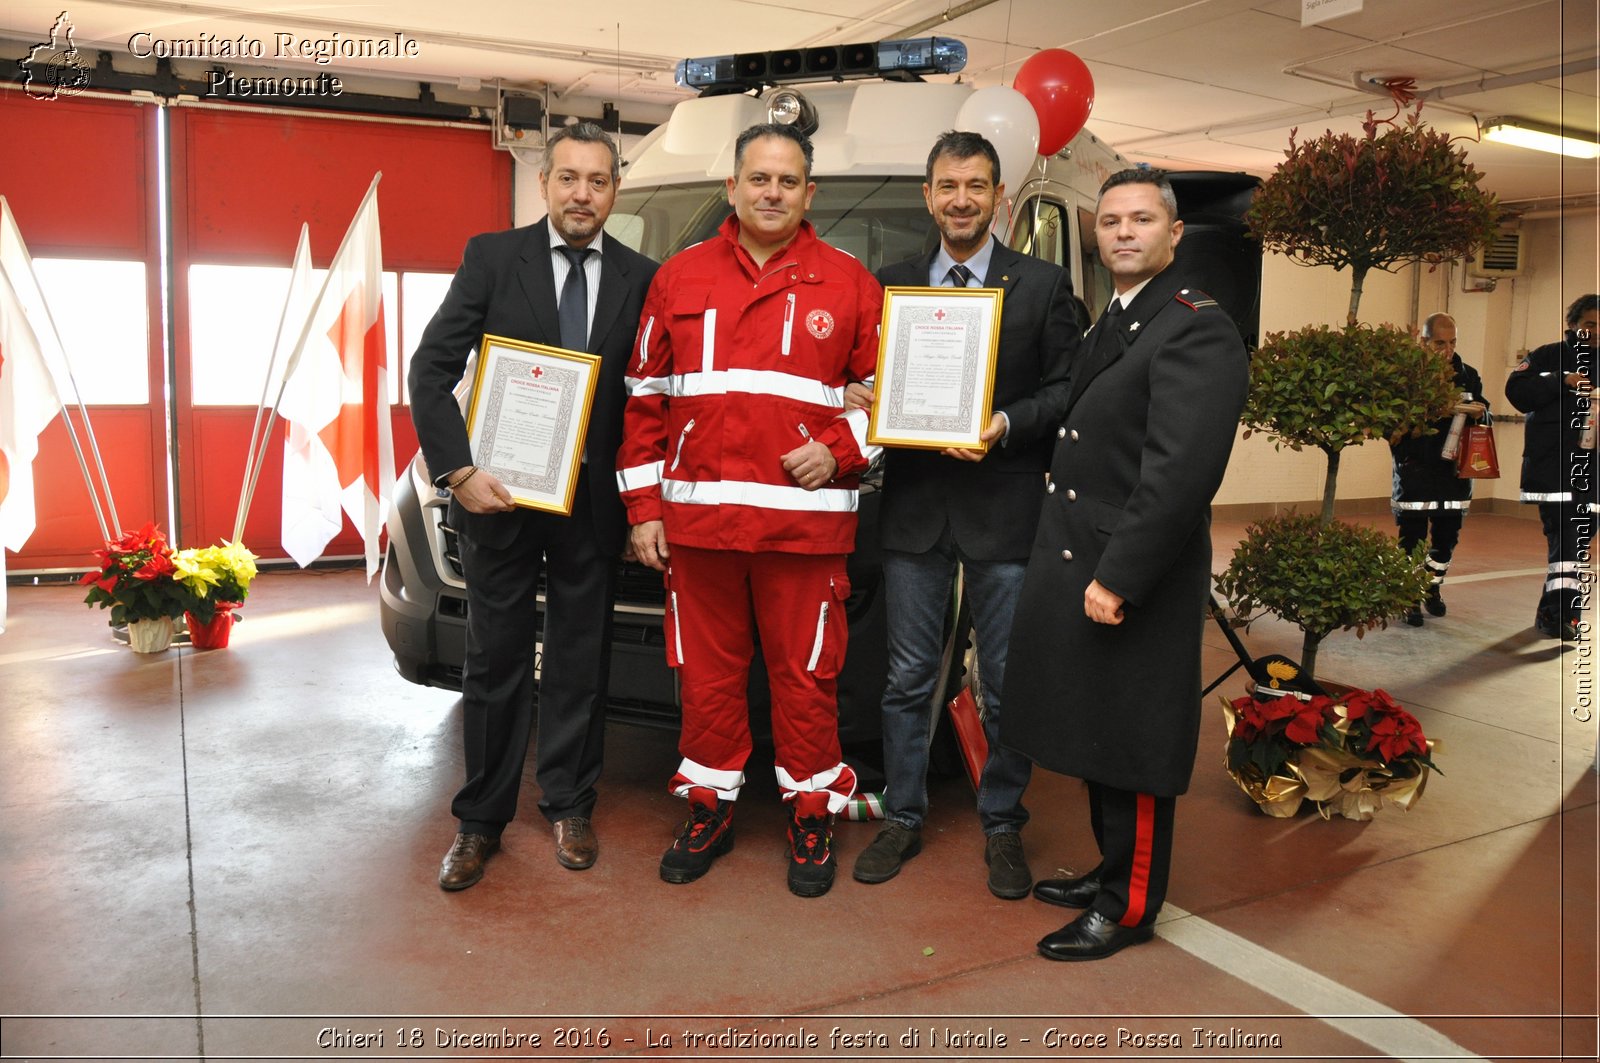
(735, 366)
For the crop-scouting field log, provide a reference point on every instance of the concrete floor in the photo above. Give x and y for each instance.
(232, 854)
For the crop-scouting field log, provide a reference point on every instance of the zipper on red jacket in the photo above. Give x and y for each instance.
(788, 323)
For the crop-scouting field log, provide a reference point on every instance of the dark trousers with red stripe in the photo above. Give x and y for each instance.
(1134, 833)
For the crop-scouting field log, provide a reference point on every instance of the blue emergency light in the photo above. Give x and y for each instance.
(905, 60)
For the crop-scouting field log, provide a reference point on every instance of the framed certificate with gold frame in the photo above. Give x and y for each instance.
(529, 416)
(936, 357)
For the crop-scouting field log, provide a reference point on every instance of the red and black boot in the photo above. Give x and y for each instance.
(811, 860)
(706, 835)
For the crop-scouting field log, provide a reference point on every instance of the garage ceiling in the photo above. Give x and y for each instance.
(1214, 84)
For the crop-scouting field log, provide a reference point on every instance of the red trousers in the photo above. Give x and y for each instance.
(717, 602)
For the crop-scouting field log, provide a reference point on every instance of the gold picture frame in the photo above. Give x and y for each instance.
(934, 387)
(528, 419)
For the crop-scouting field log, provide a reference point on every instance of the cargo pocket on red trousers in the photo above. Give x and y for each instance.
(833, 630)
(670, 626)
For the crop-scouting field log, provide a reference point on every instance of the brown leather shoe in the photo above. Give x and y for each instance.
(576, 844)
(463, 864)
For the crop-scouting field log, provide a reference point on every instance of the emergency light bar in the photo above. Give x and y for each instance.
(905, 60)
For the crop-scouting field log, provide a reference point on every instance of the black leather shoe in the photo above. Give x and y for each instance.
(1414, 617)
(1091, 936)
(1435, 603)
(463, 864)
(1077, 892)
(1547, 625)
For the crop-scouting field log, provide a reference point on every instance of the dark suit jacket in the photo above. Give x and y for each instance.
(992, 505)
(1148, 431)
(505, 287)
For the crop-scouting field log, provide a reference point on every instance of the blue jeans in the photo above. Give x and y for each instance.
(918, 597)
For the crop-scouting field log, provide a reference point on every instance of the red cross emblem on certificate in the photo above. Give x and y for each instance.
(938, 315)
(536, 372)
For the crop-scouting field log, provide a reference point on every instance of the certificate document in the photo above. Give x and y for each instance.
(529, 416)
(936, 356)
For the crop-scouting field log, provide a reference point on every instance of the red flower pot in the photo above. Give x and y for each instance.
(213, 635)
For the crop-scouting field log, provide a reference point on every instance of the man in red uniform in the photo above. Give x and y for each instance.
(738, 468)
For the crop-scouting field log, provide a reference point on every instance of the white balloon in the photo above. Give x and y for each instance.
(1008, 120)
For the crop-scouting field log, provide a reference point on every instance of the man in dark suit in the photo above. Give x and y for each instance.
(559, 282)
(975, 509)
(1104, 680)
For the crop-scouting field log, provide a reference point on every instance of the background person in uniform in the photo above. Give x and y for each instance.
(739, 472)
(1103, 680)
(1427, 492)
(1554, 386)
(558, 282)
(977, 509)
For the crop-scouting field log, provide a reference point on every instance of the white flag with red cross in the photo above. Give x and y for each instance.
(28, 403)
(338, 452)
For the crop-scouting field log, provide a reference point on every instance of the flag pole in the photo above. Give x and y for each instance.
(260, 440)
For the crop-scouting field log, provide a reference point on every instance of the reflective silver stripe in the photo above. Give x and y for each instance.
(816, 646)
(1567, 566)
(1461, 504)
(755, 382)
(726, 783)
(762, 496)
(859, 421)
(644, 341)
(708, 342)
(647, 385)
(1547, 496)
(677, 627)
(1438, 566)
(788, 323)
(677, 457)
(639, 476)
(1563, 584)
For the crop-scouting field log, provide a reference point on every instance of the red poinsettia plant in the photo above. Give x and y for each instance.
(1351, 754)
(136, 578)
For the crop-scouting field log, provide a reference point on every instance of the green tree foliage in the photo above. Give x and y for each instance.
(1406, 194)
(1323, 577)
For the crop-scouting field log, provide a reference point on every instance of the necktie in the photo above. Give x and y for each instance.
(1106, 330)
(959, 276)
(573, 310)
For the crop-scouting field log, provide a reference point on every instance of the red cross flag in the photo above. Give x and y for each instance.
(28, 403)
(338, 451)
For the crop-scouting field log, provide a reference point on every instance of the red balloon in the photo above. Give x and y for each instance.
(1061, 90)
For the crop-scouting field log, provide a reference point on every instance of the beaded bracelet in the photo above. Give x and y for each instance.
(469, 474)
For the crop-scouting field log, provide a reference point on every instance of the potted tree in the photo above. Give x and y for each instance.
(1399, 194)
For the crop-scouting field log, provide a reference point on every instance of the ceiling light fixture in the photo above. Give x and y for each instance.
(1539, 137)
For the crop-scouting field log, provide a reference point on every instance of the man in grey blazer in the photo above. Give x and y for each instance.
(977, 509)
(559, 282)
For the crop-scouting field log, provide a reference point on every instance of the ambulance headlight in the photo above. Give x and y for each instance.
(788, 107)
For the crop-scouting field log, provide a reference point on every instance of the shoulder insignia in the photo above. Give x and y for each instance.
(1521, 366)
(1194, 299)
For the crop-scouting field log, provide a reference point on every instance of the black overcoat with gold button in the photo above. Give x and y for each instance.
(1149, 427)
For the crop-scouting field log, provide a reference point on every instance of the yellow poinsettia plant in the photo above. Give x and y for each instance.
(214, 576)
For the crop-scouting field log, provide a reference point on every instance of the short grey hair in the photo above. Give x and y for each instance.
(1432, 320)
(583, 133)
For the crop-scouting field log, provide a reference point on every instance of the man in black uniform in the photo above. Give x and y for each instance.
(1103, 680)
(1426, 487)
(1554, 387)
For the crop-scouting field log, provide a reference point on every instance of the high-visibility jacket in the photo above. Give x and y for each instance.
(734, 367)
